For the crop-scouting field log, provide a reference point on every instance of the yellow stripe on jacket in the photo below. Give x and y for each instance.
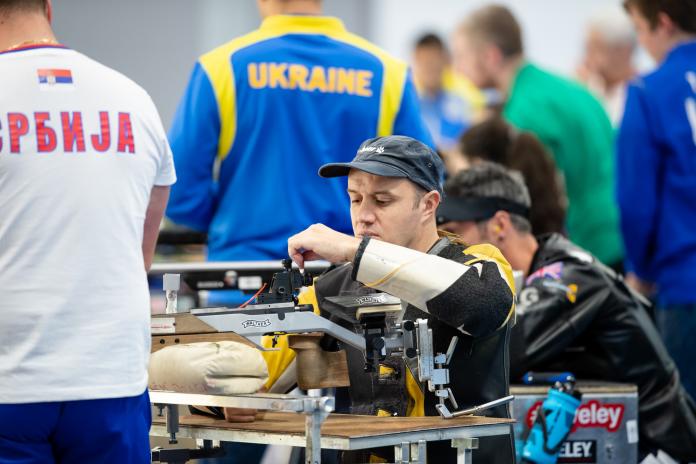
(218, 67)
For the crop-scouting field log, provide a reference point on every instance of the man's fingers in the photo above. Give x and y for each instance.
(298, 258)
(310, 256)
(314, 243)
(295, 250)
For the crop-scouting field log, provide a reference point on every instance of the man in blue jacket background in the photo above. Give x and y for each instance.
(657, 173)
(260, 115)
(264, 111)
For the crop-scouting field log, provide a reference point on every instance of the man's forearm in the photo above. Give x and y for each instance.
(155, 211)
(475, 299)
(411, 275)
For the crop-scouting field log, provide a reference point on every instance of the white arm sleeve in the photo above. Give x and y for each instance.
(411, 275)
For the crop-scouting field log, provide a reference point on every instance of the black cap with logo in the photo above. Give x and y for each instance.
(394, 156)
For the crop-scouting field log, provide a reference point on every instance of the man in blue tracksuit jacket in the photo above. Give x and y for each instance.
(269, 108)
(657, 172)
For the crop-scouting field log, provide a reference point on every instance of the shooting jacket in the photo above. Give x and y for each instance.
(475, 303)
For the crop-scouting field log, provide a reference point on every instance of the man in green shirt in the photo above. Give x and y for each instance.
(569, 121)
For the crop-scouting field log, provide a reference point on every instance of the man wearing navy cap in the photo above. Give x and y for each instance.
(395, 186)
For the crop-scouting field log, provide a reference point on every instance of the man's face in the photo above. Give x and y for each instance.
(384, 208)
(596, 52)
(609, 61)
(471, 232)
(654, 40)
(428, 65)
(468, 58)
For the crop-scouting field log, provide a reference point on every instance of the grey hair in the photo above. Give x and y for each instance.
(614, 26)
(486, 179)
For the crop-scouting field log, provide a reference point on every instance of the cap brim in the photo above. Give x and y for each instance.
(451, 210)
(371, 167)
(477, 208)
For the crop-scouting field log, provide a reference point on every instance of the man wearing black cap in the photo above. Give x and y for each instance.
(394, 184)
(574, 314)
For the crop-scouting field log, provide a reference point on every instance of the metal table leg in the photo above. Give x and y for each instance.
(313, 432)
(465, 447)
(419, 452)
(402, 453)
(316, 413)
(172, 418)
(410, 453)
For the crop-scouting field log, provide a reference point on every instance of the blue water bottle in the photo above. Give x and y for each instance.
(554, 419)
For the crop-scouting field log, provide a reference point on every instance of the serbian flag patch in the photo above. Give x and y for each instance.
(54, 76)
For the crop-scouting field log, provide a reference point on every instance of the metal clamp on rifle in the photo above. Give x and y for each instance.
(276, 312)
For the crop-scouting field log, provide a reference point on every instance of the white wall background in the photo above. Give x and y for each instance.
(553, 29)
(155, 42)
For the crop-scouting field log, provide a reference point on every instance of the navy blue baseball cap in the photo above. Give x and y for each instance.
(394, 156)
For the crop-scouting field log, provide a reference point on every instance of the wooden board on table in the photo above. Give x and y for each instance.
(338, 425)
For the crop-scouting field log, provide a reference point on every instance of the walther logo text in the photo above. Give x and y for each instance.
(370, 299)
(255, 323)
(592, 414)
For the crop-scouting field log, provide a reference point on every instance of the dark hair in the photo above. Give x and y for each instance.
(497, 141)
(22, 5)
(430, 39)
(681, 12)
(496, 24)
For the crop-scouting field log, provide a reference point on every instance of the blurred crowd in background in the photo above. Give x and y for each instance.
(608, 173)
(608, 155)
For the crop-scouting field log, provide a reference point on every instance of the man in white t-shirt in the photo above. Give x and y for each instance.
(85, 171)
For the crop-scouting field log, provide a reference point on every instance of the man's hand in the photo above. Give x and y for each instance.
(320, 242)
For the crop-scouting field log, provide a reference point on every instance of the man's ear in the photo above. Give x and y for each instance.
(49, 11)
(429, 203)
(665, 24)
(499, 226)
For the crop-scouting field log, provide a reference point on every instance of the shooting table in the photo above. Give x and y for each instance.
(408, 435)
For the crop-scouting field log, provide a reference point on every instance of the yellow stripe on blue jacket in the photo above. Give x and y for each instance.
(271, 107)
